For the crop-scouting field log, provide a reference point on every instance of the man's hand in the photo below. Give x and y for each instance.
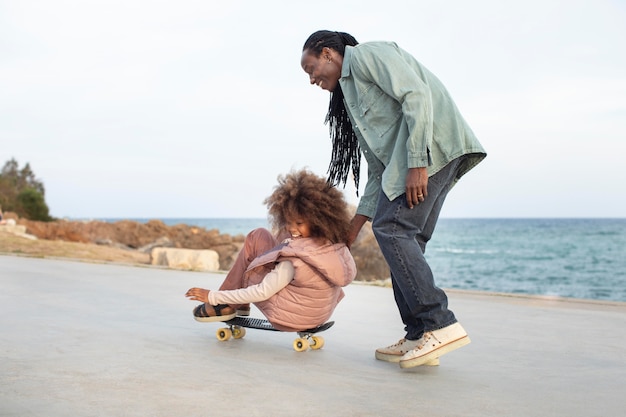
(416, 186)
(355, 227)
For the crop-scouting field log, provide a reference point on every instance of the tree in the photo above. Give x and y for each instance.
(32, 205)
(21, 178)
(22, 193)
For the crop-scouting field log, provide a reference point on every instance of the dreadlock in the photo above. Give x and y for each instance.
(346, 152)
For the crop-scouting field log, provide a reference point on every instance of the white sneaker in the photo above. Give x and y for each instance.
(435, 344)
(394, 353)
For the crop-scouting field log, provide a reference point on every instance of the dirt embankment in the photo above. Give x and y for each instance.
(131, 242)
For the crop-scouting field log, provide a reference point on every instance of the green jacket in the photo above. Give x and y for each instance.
(403, 117)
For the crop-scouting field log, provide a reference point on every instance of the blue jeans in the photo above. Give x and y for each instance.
(402, 234)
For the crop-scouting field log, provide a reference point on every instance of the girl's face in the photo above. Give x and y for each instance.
(324, 70)
(298, 228)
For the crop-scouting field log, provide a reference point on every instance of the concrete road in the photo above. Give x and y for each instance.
(84, 339)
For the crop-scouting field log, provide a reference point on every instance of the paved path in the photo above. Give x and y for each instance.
(81, 339)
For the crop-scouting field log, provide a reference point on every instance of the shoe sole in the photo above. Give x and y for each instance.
(435, 354)
(395, 359)
(386, 357)
(215, 318)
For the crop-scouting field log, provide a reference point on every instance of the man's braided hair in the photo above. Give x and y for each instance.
(346, 153)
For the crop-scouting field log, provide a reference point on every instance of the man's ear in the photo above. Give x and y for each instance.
(327, 54)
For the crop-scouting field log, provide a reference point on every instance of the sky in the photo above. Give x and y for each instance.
(187, 109)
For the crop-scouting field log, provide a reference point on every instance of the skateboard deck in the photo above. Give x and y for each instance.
(306, 338)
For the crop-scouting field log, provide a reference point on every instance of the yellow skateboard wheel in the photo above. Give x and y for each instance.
(300, 344)
(223, 334)
(317, 342)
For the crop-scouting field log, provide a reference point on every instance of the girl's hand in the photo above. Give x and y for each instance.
(198, 294)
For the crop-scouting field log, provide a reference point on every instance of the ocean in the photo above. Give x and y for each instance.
(573, 258)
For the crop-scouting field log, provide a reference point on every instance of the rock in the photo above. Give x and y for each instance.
(13, 228)
(26, 236)
(109, 242)
(162, 242)
(17, 230)
(188, 259)
(103, 242)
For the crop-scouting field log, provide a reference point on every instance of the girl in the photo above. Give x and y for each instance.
(296, 284)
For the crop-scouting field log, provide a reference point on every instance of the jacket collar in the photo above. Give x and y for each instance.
(347, 58)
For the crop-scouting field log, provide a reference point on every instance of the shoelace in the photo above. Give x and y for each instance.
(425, 339)
(398, 343)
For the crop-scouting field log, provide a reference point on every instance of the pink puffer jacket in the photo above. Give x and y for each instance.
(321, 269)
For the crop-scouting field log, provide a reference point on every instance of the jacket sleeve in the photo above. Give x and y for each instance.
(274, 281)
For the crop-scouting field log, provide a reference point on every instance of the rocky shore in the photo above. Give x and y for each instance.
(133, 242)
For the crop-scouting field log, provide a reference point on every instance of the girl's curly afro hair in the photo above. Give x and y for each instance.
(302, 194)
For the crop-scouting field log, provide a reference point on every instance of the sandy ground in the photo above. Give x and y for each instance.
(11, 244)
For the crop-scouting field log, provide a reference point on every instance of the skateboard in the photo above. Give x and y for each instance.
(306, 338)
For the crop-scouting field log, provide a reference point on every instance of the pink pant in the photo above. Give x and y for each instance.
(257, 243)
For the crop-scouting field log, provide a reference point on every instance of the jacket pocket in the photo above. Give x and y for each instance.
(379, 111)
